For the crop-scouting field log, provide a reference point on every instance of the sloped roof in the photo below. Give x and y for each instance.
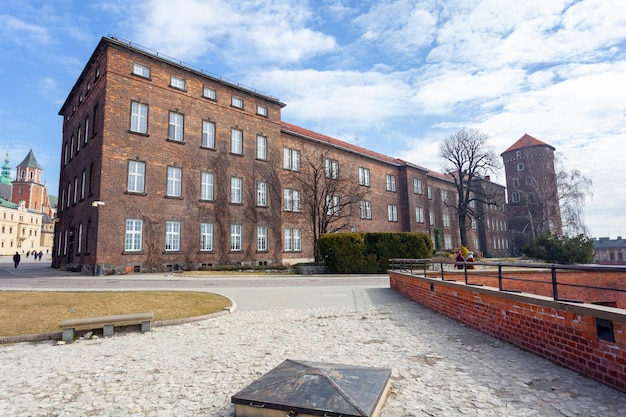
(30, 161)
(309, 134)
(525, 142)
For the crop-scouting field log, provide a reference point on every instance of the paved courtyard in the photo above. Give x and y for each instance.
(439, 367)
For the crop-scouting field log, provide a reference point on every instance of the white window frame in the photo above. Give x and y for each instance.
(136, 177)
(261, 239)
(364, 176)
(520, 166)
(515, 197)
(261, 147)
(418, 186)
(80, 238)
(332, 205)
(365, 209)
(133, 237)
(86, 138)
(261, 194)
(392, 212)
(207, 189)
(446, 219)
(419, 214)
(236, 141)
(82, 185)
(331, 168)
(293, 240)
(236, 102)
(139, 118)
(235, 237)
(206, 237)
(291, 200)
(515, 182)
(176, 127)
(261, 110)
(172, 236)
(141, 70)
(236, 190)
(178, 82)
(429, 191)
(447, 242)
(291, 159)
(391, 182)
(174, 181)
(208, 134)
(444, 196)
(208, 92)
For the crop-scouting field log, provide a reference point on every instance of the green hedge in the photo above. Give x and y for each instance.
(369, 253)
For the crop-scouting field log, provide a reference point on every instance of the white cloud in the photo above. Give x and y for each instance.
(21, 32)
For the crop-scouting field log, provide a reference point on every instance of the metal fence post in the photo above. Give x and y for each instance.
(555, 293)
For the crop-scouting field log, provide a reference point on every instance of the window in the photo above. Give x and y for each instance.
(529, 180)
(261, 110)
(208, 134)
(174, 181)
(177, 82)
(392, 213)
(515, 182)
(293, 240)
(80, 238)
(78, 139)
(132, 237)
(261, 147)
(291, 159)
(364, 176)
(429, 191)
(208, 92)
(474, 223)
(419, 214)
(261, 238)
(391, 183)
(206, 186)
(446, 219)
(235, 237)
(332, 205)
(520, 167)
(236, 102)
(332, 168)
(82, 185)
(75, 189)
(261, 193)
(136, 176)
(447, 239)
(365, 209)
(206, 237)
(515, 197)
(417, 186)
(431, 218)
(139, 118)
(176, 126)
(86, 138)
(291, 200)
(172, 236)
(444, 196)
(236, 185)
(236, 141)
(141, 70)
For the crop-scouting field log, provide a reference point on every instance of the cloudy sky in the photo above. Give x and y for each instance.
(394, 76)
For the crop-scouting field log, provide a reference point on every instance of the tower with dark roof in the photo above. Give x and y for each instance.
(28, 186)
(531, 183)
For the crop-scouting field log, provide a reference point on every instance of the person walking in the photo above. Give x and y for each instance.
(16, 259)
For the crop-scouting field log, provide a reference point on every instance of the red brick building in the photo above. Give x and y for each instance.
(166, 167)
(531, 182)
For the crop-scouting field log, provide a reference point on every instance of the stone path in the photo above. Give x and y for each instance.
(439, 367)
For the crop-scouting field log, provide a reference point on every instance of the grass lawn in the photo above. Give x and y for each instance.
(32, 312)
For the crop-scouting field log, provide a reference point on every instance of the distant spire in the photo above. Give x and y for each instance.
(6, 170)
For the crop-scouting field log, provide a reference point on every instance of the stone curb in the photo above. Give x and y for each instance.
(42, 337)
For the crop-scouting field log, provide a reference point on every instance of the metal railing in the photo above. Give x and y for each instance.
(483, 273)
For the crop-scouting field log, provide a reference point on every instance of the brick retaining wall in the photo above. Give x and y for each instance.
(563, 332)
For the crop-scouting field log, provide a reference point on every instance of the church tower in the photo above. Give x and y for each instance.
(6, 171)
(531, 183)
(28, 185)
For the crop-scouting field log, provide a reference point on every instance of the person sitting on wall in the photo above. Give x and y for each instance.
(469, 260)
(459, 260)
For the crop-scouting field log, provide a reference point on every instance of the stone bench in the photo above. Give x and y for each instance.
(107, 323)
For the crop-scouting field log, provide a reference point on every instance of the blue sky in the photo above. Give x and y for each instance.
(396, 77)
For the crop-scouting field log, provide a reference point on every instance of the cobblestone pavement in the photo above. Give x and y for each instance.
(439, 367)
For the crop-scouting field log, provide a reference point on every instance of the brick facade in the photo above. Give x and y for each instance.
(120, 144)
(565, 333)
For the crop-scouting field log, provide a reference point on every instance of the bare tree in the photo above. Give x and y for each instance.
(468, 158)
(330, 194)
(573, 188)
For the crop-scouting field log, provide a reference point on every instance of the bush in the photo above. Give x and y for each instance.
(561, 249)
(369, 253)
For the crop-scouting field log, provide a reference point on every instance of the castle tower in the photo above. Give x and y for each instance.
(28, 185)
(6, 171)
(531, 183)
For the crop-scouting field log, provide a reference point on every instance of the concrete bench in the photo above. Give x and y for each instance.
(107, 323)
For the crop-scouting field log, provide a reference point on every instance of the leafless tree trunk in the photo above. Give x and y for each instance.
(468, 158)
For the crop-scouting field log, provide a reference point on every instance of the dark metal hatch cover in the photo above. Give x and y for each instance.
(317, 389)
